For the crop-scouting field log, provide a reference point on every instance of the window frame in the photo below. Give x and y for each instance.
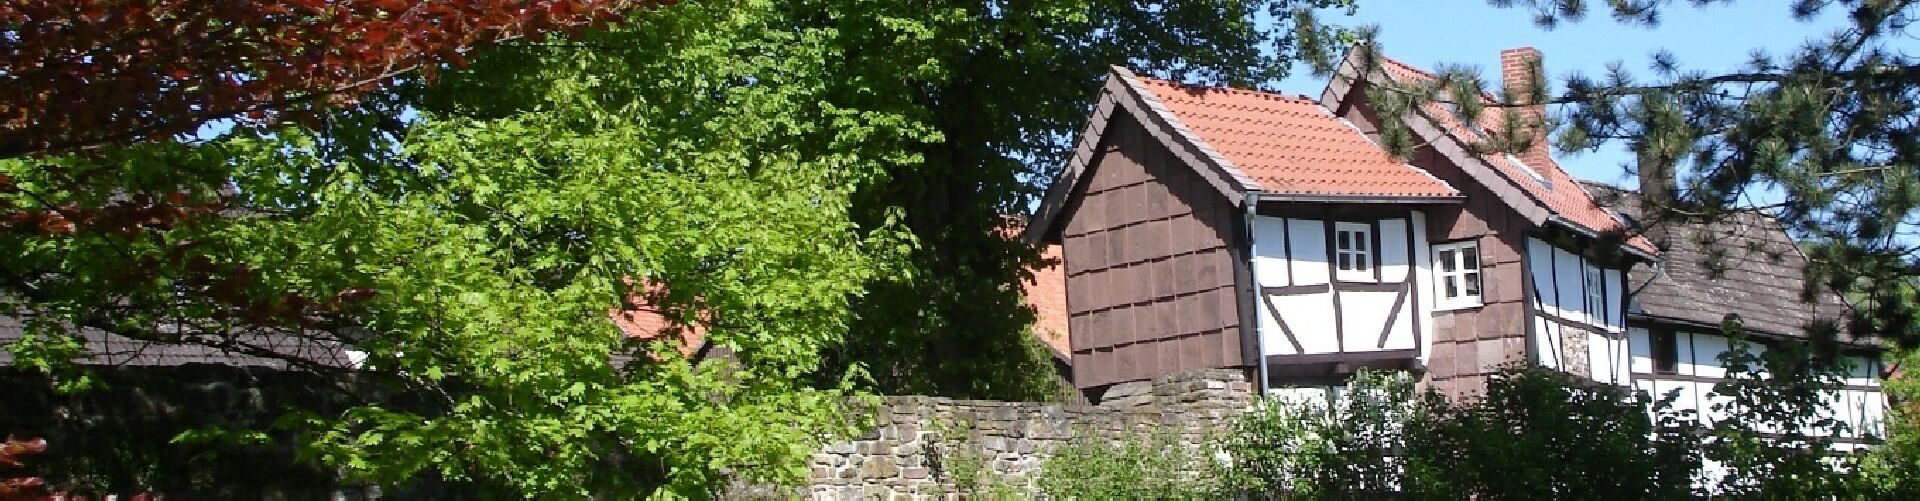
(1663, 351)
(1464, 300)
(1361, 254)
(1594, 288)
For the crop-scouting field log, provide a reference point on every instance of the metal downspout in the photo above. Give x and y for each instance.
(1253, 286)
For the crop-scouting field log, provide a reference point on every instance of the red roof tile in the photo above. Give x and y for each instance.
(642, 320)
(1566, 198)
(1047, 293)
(1291, 145)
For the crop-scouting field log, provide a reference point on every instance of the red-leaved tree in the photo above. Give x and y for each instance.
(11, 452)
(79, 74)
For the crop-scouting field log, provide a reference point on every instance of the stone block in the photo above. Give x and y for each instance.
(995, 444)
(878, 468)
(916, 473)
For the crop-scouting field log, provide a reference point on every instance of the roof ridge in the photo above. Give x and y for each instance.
(1229, 90)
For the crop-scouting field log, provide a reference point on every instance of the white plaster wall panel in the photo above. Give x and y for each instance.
(1308, 240)
(1623, 359)
(1401, 335)
(1273, 340)
(1604, 359)
(1616, 292)
(1874, 413)
(1270, 266)
(1597, 366)
(1362, 316)
(1683, 353)
(1684, 398)
(1841, 404)
(1712, 404)
(1641, 344)
(1567, 276)
(1307, 316)
(1706, 355)
(1546, 343)
(1423, 273)
(1393, 250)
(1540, 271)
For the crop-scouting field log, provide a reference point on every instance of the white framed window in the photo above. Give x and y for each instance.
(1596, 298)
(1456, 271)
(1353, 252)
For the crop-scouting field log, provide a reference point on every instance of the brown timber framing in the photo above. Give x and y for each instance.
(1282, 323)
(1414, 260)
(1333, 281)
(1351, 357)
(1294, 290)
(1688, 378)
(1529, 296)
(1241, 250)
(1408, 287)
(1393, 314)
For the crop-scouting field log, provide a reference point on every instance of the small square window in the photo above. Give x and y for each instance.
(1457, 269)
(1353, 254)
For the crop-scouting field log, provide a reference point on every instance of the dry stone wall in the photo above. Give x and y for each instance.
(938, 448)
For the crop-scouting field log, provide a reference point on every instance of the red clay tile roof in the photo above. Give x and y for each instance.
(642, 320)
(1566, 198)
(1291, 145)
(1047, 293)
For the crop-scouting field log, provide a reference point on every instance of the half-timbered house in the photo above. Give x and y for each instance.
(1211, 227)
(1742, 267)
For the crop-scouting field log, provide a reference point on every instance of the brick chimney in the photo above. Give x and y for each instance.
(1519, 67)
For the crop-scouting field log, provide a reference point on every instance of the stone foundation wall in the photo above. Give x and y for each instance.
(938, 448)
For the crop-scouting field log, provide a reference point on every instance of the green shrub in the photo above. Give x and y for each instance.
(1340, 447)
(1152, 466)
(1540, 434)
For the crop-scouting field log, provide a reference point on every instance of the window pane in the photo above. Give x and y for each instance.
(1344, 263)
(1473, 284)
(1360, 262)
(1345, 243)
(1453, 289)
(1665, 352)
(1470, 257)
(1360, 240)
(1446, 260)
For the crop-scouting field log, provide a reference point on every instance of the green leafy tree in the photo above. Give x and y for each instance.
(471, 236)
(1015, 82)
(820, 184)
(1892, 469)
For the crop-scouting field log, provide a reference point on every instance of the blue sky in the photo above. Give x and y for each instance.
(1428, 33)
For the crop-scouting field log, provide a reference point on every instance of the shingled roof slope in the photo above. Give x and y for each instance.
(1742, 264)
(104, 348)
(1291, 145)
(1560, 192)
